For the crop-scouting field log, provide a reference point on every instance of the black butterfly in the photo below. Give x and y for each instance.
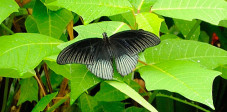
(98, 54)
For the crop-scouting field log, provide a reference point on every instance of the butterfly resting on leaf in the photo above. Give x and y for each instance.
(98, 54)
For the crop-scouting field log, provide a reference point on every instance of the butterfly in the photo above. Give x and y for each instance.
(98, 54)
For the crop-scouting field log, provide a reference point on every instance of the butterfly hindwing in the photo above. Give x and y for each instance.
(102, 66)
(134, 41)
(80, 52)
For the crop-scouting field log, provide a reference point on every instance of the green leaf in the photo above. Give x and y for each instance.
(81, 79)
(90, 10)
(127, 17)
(40, 106)
(142, 5)
(171, 49)
(184, 77)
(204, 37)
(109, 93)
(95, 31)
(110, 107)
(186, 26)
(211, 11)
(50, 23)
(169, 36)
(31, 25)
(29, 90)
(87, 103)
(13, 73)
(134, 109)
(22, 52)
(124, 88)
(6, 8)
(223, 70)
(149, 21)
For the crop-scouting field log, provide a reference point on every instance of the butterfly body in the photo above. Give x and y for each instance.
(98, 54)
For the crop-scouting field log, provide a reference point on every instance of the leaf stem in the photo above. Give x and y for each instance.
(183, 101)
(5, 94)
(47, 77)
(6, 28)
(56, 105)
(40, 83)
(196, 25)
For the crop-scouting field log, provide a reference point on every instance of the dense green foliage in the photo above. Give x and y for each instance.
(178, 73)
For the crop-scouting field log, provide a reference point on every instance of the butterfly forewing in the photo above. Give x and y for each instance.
(134, 41)
(80, 52)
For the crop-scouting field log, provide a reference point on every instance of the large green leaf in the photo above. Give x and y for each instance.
(211, 11)
(95, 31)
(81, 79)
(50, 23)
(29, 90)
(172, 49)
(6, 8)
(22, 52)
(40, 106)
(92, 9)
(124, 88)
(149, 21)
(184, 77)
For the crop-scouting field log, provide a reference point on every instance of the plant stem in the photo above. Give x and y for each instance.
(47, 77)
(56, 105)
(189, 35)
(6, 28)
(40, 85)
(5, 95)
(183, 101)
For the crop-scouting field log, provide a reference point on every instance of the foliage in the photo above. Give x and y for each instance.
(181, 69)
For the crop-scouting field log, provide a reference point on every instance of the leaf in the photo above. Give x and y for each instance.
(29, 90)
(6, 8)
(110, 107)
(31, 25)
(134, 109)
(142, 5)
(40, 106)
(13, 73)
(90, 10)
(50, 23)
(95, 31)
(184, 77)
(87, 103)
(204, 37)
(223, 70)
(22, 52)
(124, 88)
(149, 22)
(186, 26)
(81, 79)
(207, 10)
(109, 93)
(127, 18)
(171, 49)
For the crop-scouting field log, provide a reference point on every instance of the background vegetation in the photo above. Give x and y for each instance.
(186, 72)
